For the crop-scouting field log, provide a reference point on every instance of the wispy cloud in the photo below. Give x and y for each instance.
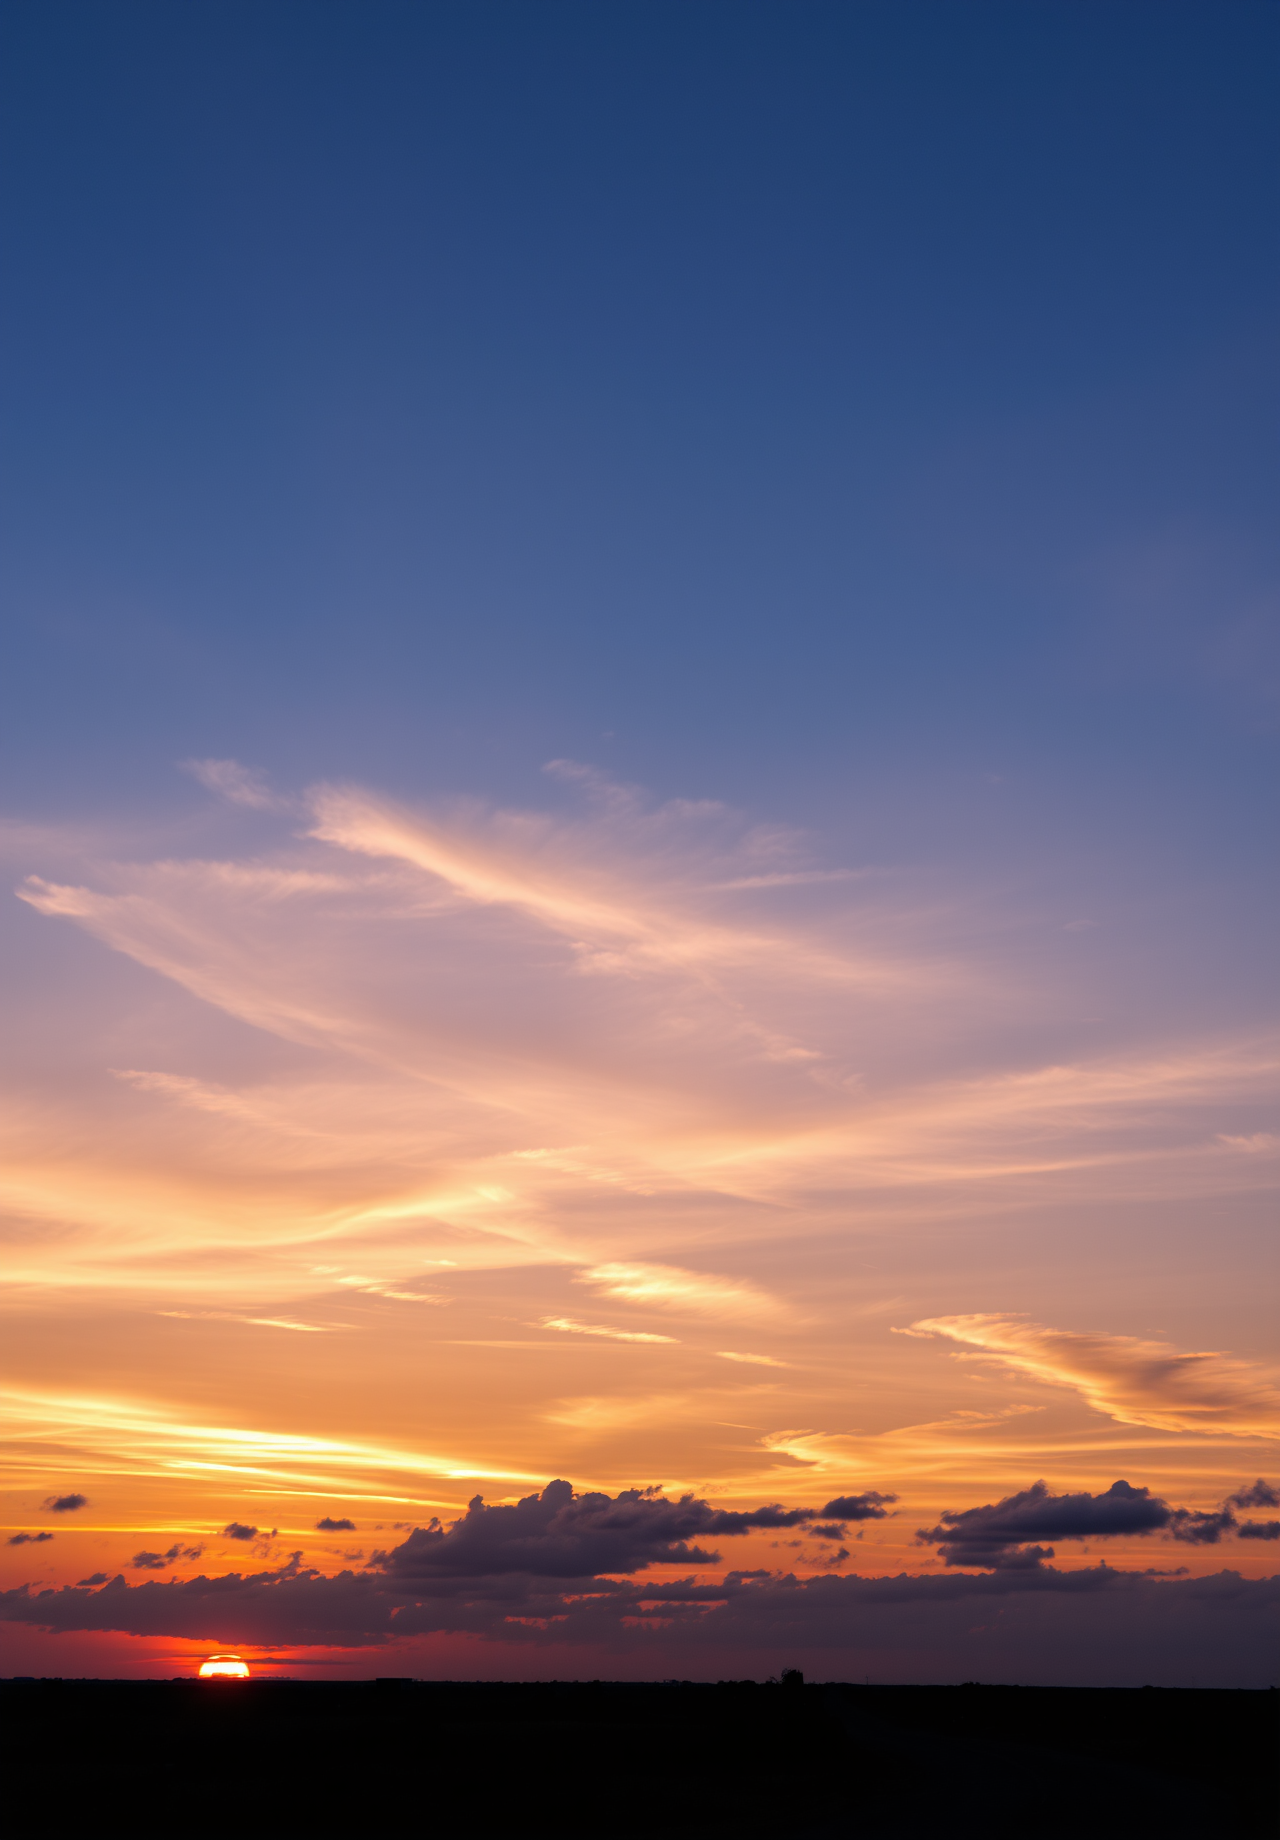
(1136, 1382)
(115, 1436)
(669, 1287)
(241, 785)
(258, 1322)
(578, 1009)
(569, 1327)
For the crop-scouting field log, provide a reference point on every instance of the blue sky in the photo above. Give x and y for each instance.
(847, 433)
(796, 405)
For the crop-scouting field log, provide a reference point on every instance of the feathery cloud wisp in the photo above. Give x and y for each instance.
(1137, 1382)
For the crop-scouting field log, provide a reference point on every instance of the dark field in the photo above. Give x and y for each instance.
(605, 1758)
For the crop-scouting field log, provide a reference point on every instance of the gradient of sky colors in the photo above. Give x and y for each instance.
(639, 735)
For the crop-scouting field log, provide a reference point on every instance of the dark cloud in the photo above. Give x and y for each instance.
(868, 1507)
(159, 1562)
(1092, 1625)
(284, 1604)
(558, 1534)
(66, 1504)
(1259, 1494)
(995, 1537)
(97, 1578)
(332, 1526)
(1198, 1529)
(1260, 1530)
(236, 1530)
(27, 1539)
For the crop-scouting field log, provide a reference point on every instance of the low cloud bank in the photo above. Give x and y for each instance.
(538, 1572)
(1092, 1626)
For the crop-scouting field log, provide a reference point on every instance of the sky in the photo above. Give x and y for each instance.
(638, 754)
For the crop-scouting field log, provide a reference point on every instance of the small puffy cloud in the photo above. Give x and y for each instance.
(65, 1504)
(94, 1578)
(159, 1562)
(236, 1530)
(1259, 1494)
(28, 1539)
(868, 1507)
(1260, 1530)
(1196, 1528)
(329, 1525)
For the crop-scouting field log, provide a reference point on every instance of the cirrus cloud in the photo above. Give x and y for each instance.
(1134, 1381)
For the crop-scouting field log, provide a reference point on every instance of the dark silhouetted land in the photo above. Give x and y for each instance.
(610, 1758)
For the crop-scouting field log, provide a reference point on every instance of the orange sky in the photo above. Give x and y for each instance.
(364, 1159)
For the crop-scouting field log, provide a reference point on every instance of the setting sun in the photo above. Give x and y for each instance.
(223, 1667)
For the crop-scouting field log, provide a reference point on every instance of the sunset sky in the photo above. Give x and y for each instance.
(638, 743)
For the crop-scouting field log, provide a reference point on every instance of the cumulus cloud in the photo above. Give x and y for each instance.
(27, 1539)
(159, 1562)
(66, 1504)
(236, 1530)
(1259, 1494)
(1196, 1527)
(1137, 1382)
(95, 1578)
(329, 1525)
(559, 1534)
(998, 1535)
(869, 1506)
(1260, 1530)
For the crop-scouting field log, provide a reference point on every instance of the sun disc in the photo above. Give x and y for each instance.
(223, 1667)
